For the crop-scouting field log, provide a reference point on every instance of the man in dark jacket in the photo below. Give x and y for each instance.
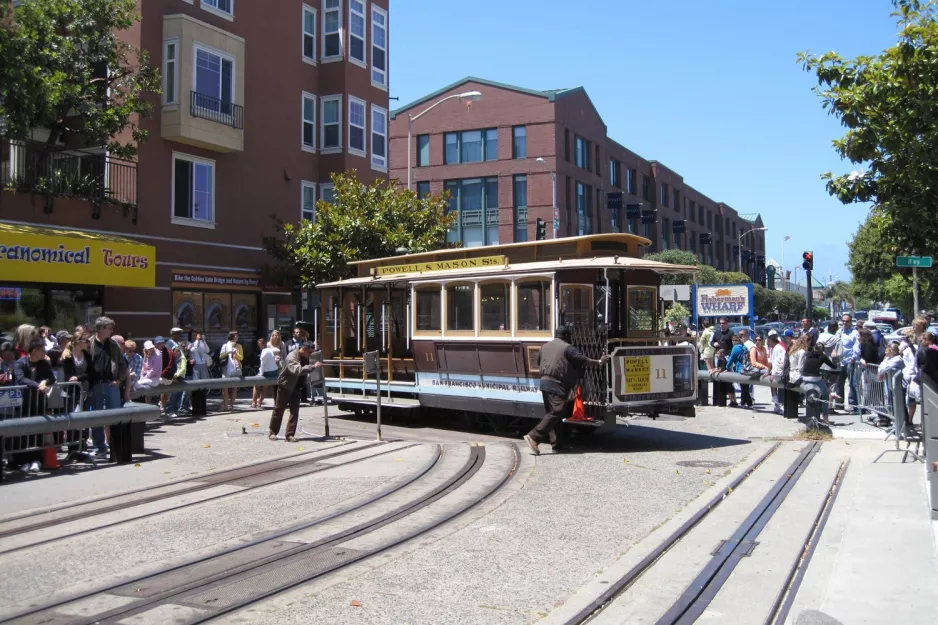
(561, 365)
(35, 373)
(723, 336)
(292, 386)
(107, 374)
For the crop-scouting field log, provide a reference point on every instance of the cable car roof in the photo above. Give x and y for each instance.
(547, 266)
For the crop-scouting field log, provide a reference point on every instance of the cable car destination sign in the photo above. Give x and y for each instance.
(441, 265)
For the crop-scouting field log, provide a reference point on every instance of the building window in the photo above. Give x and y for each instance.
(598, 162)
(700, 214)
(428, 309)
(460, 308)
(582, 149)
(598, 208)
(566, 144)
(332, 29)
(470, 146)
(709, 221)
(356, 32)
(309, 121)
(533, 306)
(734, 230)
(330, 109)
(520, 201)
(693, 242)
(222, 6)
(584, 209)
(616, 220)
(193, 189)
(646, 189)
(379, 47)
(630, 182)
(519, 142)
(307, 201)
(476, 202)
(309, 34)
(665, 233)
(423, 150)
(423, 189)
(356, 126)
(615, 173)
(664, 194)
(379, 138)
(677, 200)
(170, 71)
(569, 202)
(327, 192)
(646, 231)
(214, 79)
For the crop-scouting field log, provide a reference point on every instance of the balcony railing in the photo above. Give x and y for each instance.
(36, 167)
(216, 110)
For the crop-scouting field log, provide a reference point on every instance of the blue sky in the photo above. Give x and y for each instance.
(710, 89)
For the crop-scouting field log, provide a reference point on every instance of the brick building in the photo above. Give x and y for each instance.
(261, 102)
(497, 157)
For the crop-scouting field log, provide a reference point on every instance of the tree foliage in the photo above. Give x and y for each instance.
(872, 261)
(705, 273)
(363, 222)
(785, 304)
(887, 103)
(64, 66)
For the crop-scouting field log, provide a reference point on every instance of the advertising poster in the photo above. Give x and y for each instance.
(244, 309)
(729, 300)
(217, 312)
(187, 310)
(643, 375)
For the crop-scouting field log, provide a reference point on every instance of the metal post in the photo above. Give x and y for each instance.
(553, 180)
(325, 407)
(914, 291)
(410, 124)
(809, 306)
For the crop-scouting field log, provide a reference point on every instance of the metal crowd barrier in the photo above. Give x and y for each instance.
(723, 379)
(896, 393)
(930, 436)
(33, 421)
(873, 393)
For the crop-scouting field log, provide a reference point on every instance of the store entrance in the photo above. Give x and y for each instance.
(59, 307)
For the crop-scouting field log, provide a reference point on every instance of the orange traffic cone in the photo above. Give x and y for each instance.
(50, 459)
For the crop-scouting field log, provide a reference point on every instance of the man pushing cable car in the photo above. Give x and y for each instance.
(560, 368)
(292, 384)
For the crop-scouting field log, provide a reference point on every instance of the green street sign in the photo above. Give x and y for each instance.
(913, 261)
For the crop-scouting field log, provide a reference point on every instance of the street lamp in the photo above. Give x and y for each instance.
(783, 261)
(740, 246)
(553, 201)
(472, 96)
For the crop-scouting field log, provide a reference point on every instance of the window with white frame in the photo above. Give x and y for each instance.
(309, 34)
(193, 189)
(225, 6)
(170, 71)
(214, 80)
(307, 200)
(309, 121)
(379, 137)
(330, 112)
(332, 29)
(379, 47)
(327, 192)
(356, 126)
(356, 31)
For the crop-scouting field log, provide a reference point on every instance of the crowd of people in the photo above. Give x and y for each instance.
(828, 364)
(98, 369)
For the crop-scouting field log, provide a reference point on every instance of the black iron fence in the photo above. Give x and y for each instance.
(36, 167)
(216, 110)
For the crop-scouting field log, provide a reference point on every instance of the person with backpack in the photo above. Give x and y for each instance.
(736, 362)
(106, 376)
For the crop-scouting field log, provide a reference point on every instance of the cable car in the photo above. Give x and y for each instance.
(459, 330)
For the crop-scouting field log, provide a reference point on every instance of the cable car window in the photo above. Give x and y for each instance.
(534, 306)
(576, 303)
(496, 306)
(460, 308)
(428, 310)
(641, 310)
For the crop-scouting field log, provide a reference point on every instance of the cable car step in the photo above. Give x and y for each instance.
(596, 423)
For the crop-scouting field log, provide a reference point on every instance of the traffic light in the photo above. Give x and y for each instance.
(808, 263)
(540, 230)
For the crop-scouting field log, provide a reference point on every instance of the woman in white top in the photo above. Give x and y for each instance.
(231, 356)
(796, 358)
(270, 367)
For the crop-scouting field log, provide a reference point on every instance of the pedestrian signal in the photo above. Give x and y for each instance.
(540, 230)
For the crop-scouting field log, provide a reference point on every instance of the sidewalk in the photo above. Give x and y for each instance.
(877, 560)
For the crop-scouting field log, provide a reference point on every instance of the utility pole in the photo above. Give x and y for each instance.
(808, 266)
(914, 291)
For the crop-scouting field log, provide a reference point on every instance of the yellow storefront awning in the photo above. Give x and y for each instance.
(37, 254)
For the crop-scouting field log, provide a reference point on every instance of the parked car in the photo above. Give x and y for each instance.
(897, 336)
(861, 315)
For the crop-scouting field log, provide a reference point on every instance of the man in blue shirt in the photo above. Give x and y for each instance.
(847, 379)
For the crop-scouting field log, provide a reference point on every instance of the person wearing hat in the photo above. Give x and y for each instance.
(560, 369)
(167, 367)
(151, 369)
(291, 383)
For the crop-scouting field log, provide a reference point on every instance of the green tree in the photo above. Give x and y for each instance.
(64, 66)
(887, 103)
(675, 257)
(677, 314)
(872, 262)
(363, 222)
